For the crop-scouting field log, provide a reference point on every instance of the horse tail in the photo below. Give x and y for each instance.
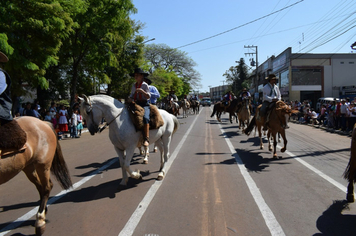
(251, 126)
(176, 124)
(214, 110)
(60, 170)
(350, 173)
(59, 167)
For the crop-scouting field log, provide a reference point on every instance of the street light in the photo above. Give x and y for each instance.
(149, 40)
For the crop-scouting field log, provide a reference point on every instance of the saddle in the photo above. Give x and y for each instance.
(12, 139)
(136, 113)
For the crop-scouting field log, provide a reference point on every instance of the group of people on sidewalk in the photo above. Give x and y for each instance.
(337, 115)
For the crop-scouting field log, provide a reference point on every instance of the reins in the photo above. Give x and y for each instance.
(107, 123)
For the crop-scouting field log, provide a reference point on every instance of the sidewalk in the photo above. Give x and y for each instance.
(330, 130)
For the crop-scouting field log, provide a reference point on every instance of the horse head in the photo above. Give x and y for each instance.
(90, 114)
(283, 111)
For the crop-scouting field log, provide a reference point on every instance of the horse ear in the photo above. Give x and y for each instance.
(86, 99)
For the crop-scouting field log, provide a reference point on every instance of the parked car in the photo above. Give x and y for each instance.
(205, 102)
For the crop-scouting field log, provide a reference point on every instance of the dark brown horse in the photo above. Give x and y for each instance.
(219, 108)
(350, 172)
(278, 121)
(194, 104)
(42, 156)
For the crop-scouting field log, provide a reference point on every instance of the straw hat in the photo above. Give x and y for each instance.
(271, 76)
(3, 57)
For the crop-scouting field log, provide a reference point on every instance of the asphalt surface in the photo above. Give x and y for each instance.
(219, 183)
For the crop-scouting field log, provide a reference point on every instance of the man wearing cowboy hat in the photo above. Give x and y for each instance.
(271, 94)
(153, 90)
(140, 93)
(12, 137)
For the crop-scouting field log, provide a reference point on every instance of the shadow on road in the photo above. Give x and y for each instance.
(333, 222)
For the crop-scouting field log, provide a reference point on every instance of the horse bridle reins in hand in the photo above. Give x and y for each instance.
(89, 111)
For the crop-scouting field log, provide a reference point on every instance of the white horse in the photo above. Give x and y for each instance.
(122, 132)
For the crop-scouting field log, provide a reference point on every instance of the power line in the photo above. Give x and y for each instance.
(282, 9)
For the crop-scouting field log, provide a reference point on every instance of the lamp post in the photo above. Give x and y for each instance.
(149, 40)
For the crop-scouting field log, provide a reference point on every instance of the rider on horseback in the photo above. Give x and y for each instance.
(227, 99)
(12, 136)
(245, 95)
(140, 93)
(271, 95)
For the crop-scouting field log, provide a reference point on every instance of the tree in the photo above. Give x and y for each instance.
(102, 28)
(237, 76)
(32, 33)
(169, 59)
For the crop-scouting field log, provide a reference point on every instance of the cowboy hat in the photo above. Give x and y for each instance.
(139, 71)
(3, 57)
(271, 76)
(147, 80)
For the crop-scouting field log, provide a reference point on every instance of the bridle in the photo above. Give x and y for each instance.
(89, 112)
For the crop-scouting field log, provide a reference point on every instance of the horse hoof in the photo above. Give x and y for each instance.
(275, 156)
(283, 150)
(155, 149)
(145, 162)
(40, 230)
(350, 198)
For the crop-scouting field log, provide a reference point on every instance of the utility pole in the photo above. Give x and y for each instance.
(253, 64)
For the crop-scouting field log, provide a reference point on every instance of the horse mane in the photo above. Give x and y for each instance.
(96, 99)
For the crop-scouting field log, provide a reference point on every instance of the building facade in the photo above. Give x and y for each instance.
(309, 76)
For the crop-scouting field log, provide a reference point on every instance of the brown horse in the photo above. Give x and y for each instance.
(244, 114)
(194, 104)
(42, 155)
(350, 172)
(219, 108)
(278, 121)
(184, 104)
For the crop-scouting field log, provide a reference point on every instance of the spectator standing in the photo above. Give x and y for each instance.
(343, 114)
(80, 123)
(352, 118)
(48, 117)
(74, 124)
(28, 110)
(35, 111)
(53, 113)
(63, 121)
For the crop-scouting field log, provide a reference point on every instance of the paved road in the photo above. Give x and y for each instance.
(219, 183)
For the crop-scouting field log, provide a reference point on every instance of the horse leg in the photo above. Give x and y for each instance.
(350, 190)
(283, 134)
(274, 145)
(121, 155)
(39, 175)
(164, 155)
(269, 137)
(260, 135)
(129, 154)
(147, 154)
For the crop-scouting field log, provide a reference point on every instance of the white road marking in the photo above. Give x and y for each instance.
(142, 207)
(271, 221)
(52, 200)
(318, 172)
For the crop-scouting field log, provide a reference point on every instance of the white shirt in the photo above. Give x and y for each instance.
(268, 96)
(74, 120)
(3, 84)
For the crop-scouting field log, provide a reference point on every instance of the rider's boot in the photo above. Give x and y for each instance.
(146, 132)
(12, 138)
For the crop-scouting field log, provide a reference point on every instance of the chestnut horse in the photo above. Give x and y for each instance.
(350, 172)
(42, 155)
(280, 113)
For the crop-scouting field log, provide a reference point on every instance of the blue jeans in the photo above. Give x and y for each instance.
(74, 131)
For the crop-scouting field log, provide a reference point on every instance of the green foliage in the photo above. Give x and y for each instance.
(237, 76)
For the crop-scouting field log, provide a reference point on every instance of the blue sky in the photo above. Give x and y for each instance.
(309, 26)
